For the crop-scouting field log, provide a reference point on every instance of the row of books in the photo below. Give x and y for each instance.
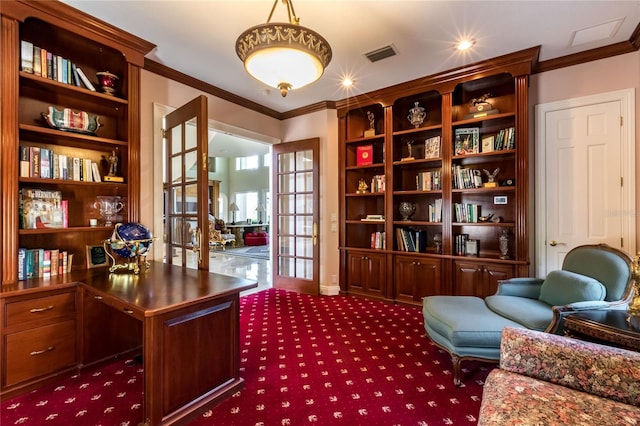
(378, 183)
(47, 164)
(505, 139)
(460, 244)
(411, 240)
(42, 208)
(466, 213)
(42, 263)
(38, 61)
(378, 240)
(434, 211)
(429, 181)
(466, 178)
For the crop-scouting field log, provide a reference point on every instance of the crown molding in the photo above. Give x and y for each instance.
(632, 45)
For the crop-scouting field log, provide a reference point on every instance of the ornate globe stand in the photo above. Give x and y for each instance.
(135, 263)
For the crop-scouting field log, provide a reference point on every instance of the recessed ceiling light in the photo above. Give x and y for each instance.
(347, 82)
(465, 44)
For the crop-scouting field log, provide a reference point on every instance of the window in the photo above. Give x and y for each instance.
(247, 203)
(247, 163)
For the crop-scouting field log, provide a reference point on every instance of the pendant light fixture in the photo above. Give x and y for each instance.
(285, 56)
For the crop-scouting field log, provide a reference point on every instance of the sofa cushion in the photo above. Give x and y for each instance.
(531, 313)
(464, 321)
(513, 399)
(564, 287)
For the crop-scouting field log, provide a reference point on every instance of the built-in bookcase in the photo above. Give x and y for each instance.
(472, 129)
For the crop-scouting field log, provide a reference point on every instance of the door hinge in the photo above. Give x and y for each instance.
(621, 181)
(621, 120)
(164, 133)
(621, 242)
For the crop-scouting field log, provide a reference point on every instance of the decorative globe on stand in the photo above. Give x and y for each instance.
(131, 242)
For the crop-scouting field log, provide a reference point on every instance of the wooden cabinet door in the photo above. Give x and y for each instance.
(494, 273)
(415, 278)
(478, 279)
(366, 274)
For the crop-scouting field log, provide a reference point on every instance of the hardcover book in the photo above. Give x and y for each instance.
(467, 141)
(41, 208)
(364, 155)
(26, 56)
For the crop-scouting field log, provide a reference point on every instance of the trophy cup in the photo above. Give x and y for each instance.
(416, 115)
(503, 243)
(108, 206)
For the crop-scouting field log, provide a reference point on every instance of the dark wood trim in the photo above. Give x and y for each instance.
(63, 15)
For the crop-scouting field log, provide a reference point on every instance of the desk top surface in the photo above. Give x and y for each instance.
(160, 289)
(163, 287)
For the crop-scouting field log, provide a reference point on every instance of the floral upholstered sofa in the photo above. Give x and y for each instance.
(546, 379)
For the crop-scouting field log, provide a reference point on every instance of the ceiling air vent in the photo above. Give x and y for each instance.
(382, 53)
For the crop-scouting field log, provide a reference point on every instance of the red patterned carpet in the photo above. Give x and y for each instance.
(305, 360)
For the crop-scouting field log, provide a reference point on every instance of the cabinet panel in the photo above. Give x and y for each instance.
(415, 278)
(41, 351)
(478, 279)
(367, 274)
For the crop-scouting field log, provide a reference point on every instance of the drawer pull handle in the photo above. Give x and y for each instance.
(97, 297)
(49, 349)
(128, 311)
(36, 310)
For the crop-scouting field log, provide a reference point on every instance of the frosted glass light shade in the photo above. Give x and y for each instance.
(283, 56)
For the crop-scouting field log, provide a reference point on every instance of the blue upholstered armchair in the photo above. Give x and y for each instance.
(592, 277)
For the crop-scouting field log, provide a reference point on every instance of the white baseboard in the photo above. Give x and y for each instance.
(330, 290)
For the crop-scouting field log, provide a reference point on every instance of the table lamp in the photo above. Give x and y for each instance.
(233, 208)
(260, 209)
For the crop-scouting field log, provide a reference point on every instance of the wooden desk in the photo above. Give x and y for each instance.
(190, 334)
(605, 327)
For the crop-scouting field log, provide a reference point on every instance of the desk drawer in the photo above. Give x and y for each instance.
(40, 308)
(40, 351)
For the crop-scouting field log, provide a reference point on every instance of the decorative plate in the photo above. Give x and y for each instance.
(71, 121)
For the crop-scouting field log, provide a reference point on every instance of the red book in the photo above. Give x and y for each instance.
(364, 155)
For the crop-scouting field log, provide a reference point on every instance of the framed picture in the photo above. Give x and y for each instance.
(500, 199)
(96, 257)
(471, 248)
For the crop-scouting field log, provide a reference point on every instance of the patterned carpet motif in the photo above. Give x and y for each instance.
(306, 361)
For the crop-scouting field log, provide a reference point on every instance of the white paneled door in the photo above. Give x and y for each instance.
(583, 171)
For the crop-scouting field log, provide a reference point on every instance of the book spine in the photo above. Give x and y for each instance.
(22, 264)
(25, 167)
(37, 61)
(55, 254)
(46, 264)
(50, 74)
(40, 263)
(43, 63)
(63, 264)
(26, 56)
(64, 205)
(34, 160)
(45, 171)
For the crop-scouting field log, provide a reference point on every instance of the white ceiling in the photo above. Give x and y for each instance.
(198, 38)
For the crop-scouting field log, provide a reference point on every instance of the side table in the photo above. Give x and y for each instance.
(604, 327)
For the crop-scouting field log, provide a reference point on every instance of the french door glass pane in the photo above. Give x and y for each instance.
(304, 268)
(286, 162)
(176, 139)
(286, 204)
(304, 181)
(304, 247)
(286, 183)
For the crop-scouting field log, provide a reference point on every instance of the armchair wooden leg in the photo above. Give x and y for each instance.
(456, 360)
